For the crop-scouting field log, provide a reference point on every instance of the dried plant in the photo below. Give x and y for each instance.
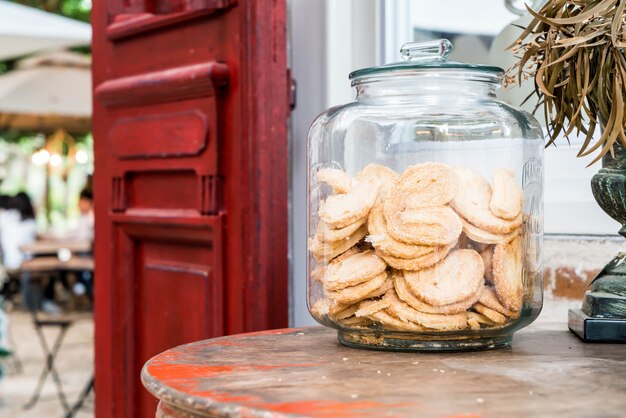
(574, 51)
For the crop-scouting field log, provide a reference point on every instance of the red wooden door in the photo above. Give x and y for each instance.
(190, 112)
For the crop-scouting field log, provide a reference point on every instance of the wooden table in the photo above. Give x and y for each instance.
(53, 264)
(51, 247)
(305, 372)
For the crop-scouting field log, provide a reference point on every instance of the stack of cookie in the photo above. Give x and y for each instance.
(436, 248)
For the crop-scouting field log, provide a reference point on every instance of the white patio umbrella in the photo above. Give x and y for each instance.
(47, 92)
(26, 30)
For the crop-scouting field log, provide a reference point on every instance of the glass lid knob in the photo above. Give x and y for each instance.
(433, 50)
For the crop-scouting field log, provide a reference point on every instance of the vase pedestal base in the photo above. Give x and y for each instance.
(600, 330)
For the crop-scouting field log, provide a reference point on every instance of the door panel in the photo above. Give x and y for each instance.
(171, 294)
(190, 116)
(121, 7)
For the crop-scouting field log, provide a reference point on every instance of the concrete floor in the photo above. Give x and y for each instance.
(74, 364)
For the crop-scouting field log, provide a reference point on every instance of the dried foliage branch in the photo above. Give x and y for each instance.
(574, 51)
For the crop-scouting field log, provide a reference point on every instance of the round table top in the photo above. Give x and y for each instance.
(305, 372)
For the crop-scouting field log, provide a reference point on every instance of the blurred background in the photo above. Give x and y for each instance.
(46, 148)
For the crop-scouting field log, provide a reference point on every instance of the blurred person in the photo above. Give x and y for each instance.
(83, 231)
(17, 228)
(4, 319)
(85, 226)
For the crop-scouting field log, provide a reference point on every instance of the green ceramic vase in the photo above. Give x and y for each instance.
(605, 296)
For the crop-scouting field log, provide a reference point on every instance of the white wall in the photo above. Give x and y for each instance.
(328, 40)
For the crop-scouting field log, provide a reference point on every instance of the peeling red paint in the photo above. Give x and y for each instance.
(185, 370)
(166, 372)
(313, 408)
(464, 416)
(331, 409)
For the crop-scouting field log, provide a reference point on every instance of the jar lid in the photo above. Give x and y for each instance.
(426, 56)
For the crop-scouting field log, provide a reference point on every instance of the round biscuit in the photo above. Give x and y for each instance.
(506, 199)
(394, 324)
(341, 210)
(452, 280)
(479, 318)
(507, 274)
(326, 251)
(418, 263)
(403, 292)
(487, 255)
(385, 175)
(370, 306)
(432, 321)
(337, 179)
(326, 233)
(346, 313)
(435, 225)
(486, 237)
(490, 299)
(385, 244)
(472, 203)
(353, 270)
(496, 317)
(353, 294)
(355, 322)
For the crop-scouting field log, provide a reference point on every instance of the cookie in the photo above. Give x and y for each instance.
(418, 263)
(473, 323)
(353, 270)
(486, 237)
(437, 225)
(453, 280)
(326, 251)
(422, 185)
(326, 233)
(381, 290)
(507, 274)
(391, 323)
(385, 244)
(320, 308)
(477, 318)
(369, 307)
(415, 209)
(473, 201)
(487, 255)
(317, 273)
(506, 199)
(405, 295)
(496, 317)
(355, 322)
(346, 313)
(489, 298)
(338, 180)
(327, 307)
(432, 321)
(349, 252)
(341, 210)
(356, 293)
(385, 175)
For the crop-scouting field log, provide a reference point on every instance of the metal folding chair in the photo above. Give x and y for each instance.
(50, 352)
(82, 398)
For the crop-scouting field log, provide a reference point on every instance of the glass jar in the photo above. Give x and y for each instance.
(425, 208)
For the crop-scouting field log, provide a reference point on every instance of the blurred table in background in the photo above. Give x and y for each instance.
(54, 264)
(52, 247)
